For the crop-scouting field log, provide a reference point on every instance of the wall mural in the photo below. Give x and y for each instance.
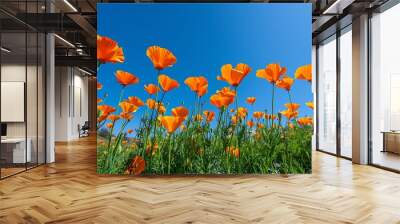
(204, 89)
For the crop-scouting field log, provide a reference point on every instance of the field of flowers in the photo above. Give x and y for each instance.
(195, 140)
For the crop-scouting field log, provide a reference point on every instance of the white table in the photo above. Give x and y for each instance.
(19, 153)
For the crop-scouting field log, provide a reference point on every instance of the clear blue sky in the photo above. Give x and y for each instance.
(204, 37)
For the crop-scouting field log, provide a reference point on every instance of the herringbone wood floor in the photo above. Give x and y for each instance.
(70, 191)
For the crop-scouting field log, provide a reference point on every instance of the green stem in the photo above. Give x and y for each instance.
(291, 102)
(236, 96)
(155, 123)
(149, 127)
(169, 154)
(272, 105)
(290, 98)
(109, 145)
(121, 95)
(114, 149)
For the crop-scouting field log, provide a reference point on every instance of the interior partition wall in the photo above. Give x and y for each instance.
(345, 93)
(22, 77)
(334, 94)
(326, 110)
(385, 88)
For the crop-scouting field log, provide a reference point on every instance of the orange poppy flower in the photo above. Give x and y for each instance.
(209, 115)
(151, 104)
(108, 50)
(272, 73)
(223, 97)
(304, 72)
(151, 89)
(126, 78)
(160, 57)
(99, 86)
(127, 107)
(242, 112)
(198, 117)
(102, 117)
(135, 101)
(270, 117)
(259, 125)
(130, 131)
(304, 121)
(258, 114)
(152, 148)
(292, 106)
(198, 85)
(180, 112)
(137, 166)
(220, 100)
(171, 123)
(113, 117)
(310, 105)
(216, 100)
(289, 114)
(251, 100)
(250, 123)
(234, 119)
(99, 100)
(161, 109)
(109, 125)
(233, 151)
(105, 109)
(167, 83)
(126, 116)
(285, 83)
(234, 76)
(291, 125)
(183, 127)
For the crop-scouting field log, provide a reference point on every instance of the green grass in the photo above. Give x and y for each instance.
(200, 149)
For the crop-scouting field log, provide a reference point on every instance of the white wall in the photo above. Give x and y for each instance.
(71, 102)
(385, 74)
(61, 104)
(314, 91)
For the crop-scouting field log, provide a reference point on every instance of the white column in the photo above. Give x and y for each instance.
(50, 104)
(360, 90)
(314, 91)
(50, 92)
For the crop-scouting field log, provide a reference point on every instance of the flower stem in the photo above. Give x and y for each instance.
(169, 154)
(291, 102)
(272, 104)
(290, 98)
(121, 95)
(149, 126)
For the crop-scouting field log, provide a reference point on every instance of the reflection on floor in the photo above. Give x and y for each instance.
(10, 169)
(387, 159)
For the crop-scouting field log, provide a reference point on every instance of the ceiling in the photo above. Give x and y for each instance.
(75, 21)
